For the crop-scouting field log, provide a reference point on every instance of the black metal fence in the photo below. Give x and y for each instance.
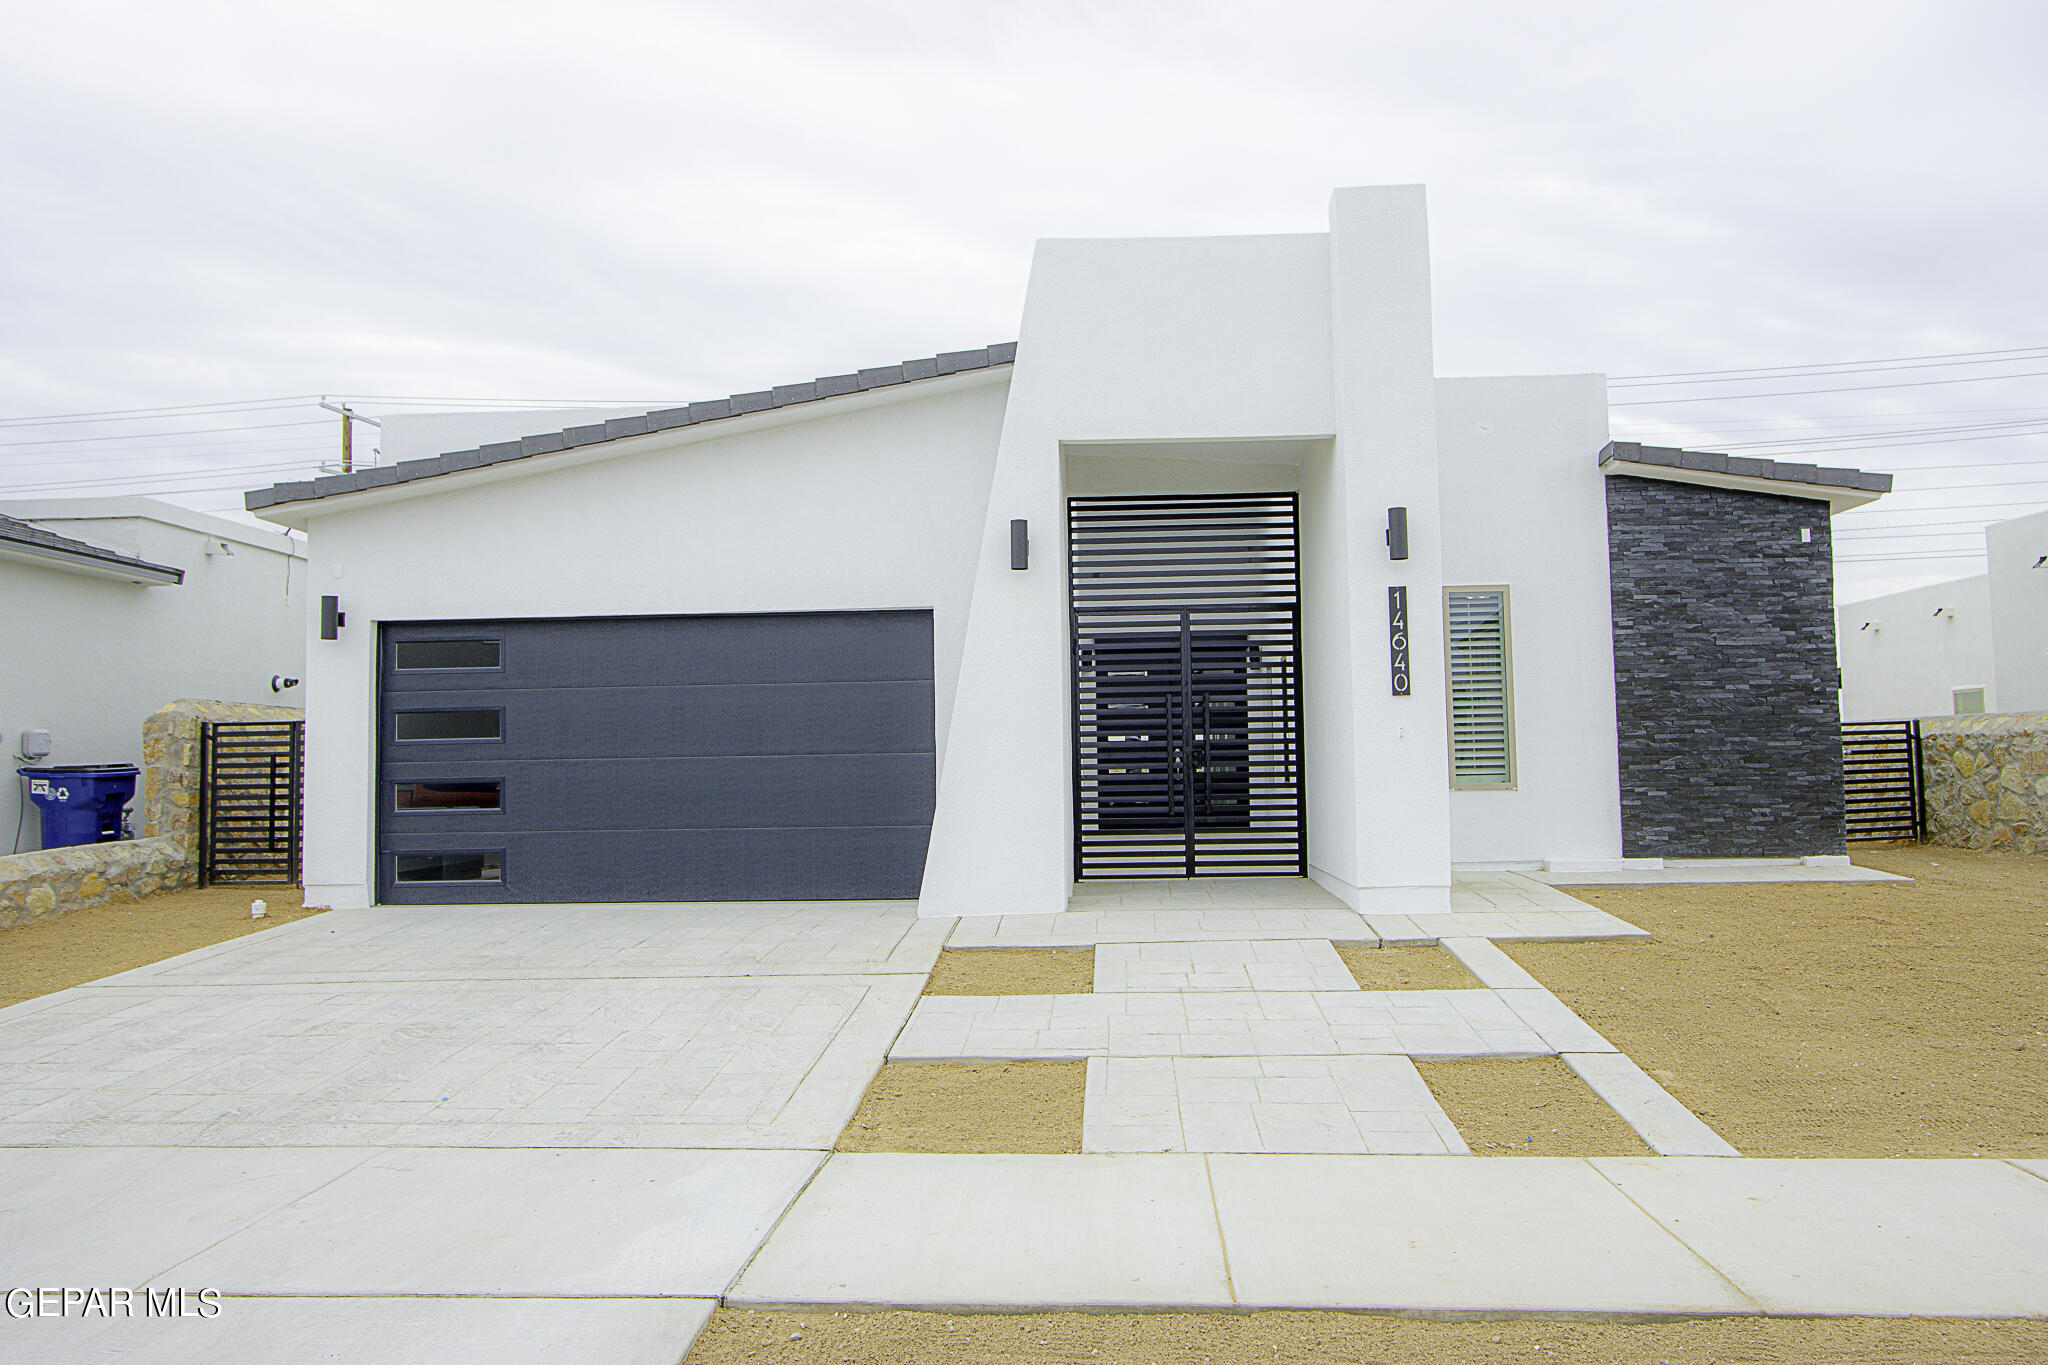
(252, 800)
(1881, 780)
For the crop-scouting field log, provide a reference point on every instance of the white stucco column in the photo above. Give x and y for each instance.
(1397, 827)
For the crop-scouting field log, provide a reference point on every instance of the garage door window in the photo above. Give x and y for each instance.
(448, 795)
(414, 727)
(426, 656)
(451, 867)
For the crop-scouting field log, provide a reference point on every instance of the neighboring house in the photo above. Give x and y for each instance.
(115, 607)
(1958, 648)
(1209, 574)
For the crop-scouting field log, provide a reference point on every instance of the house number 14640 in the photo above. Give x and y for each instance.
(1397, 637)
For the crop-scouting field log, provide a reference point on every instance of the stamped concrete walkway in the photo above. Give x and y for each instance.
(565, 1133)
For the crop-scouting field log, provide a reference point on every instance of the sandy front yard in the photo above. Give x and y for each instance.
(86, 945)
(1872, 1020)
(735, 1337)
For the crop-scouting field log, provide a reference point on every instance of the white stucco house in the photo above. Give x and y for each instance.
(1209, 573)
(1965, 646)
(115, 607)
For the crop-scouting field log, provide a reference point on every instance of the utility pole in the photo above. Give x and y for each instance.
(349, 417)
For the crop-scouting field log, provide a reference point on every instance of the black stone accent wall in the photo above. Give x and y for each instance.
(1725, 678)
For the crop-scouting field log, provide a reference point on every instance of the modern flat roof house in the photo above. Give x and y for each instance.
(1209, 574)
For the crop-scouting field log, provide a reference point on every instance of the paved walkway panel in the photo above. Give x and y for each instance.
(997, 1232)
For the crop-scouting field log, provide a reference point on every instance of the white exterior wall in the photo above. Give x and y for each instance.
(88, 658)
(1153, 341)
(2019, 611)
(862, 503)
(1525, 506)
(1319, 345)
(1266, 363)
(1904, 654)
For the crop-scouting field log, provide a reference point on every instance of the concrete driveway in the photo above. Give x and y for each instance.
(566, 1133)
(499, 1133)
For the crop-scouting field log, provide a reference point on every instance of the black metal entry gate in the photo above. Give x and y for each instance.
(1186, 613)
(1881, 783)
(251, 800)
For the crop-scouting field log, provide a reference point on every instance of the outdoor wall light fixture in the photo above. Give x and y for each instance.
(1020, 544)
(332, 618)
(1397, 533)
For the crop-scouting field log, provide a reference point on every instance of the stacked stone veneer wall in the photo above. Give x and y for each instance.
(54, 881)
(1725, 684)
(1987, 780)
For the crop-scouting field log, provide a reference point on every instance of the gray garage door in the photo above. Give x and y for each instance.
(783, 757)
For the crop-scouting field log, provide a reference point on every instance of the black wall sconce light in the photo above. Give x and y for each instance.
(1397, 533)
(332, 618)
(1020, 544)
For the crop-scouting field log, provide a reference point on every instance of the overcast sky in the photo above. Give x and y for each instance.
(214, 203)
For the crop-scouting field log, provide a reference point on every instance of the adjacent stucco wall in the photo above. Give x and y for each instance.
(1905, 654)
(1524, 506)
(2019, 611)
(87, 658)
(1725, 680)
(873, 501)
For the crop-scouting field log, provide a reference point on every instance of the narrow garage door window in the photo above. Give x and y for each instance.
(1482, 689)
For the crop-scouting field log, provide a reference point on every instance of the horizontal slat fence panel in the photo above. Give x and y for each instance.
(1187, 685)
(252, 801)
(1881, 780)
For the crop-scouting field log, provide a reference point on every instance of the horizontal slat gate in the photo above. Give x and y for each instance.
(252, 800)
(1186, 621)
(1881, 782)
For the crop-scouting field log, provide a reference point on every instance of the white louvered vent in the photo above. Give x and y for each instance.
(1482, 689)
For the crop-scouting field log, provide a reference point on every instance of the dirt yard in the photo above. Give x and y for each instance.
(1817, 1020)
(970, 1107)
(1405, 968)
(755, 1337)
(1532, 1107)
(85, 945)
(1013, 971)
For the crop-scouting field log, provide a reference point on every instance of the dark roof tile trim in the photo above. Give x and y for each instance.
(22, 533)
(619, 428)
(1745, 466)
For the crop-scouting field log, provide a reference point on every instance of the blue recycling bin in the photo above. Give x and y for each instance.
(82, 803)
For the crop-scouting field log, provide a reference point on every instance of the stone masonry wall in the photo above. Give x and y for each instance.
(1725, 683)
(56, 881)
(1987, 780)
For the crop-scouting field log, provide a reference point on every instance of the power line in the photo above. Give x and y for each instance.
(79, 458)
(146, 414)
(1771, 369)
(1887, 432)
(1797, 393)
(164, 477)
(198, 431)
(1904, 558)
(1819, 372)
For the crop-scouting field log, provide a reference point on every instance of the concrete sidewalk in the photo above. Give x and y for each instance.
(559, 1133)
(1416, 1234)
